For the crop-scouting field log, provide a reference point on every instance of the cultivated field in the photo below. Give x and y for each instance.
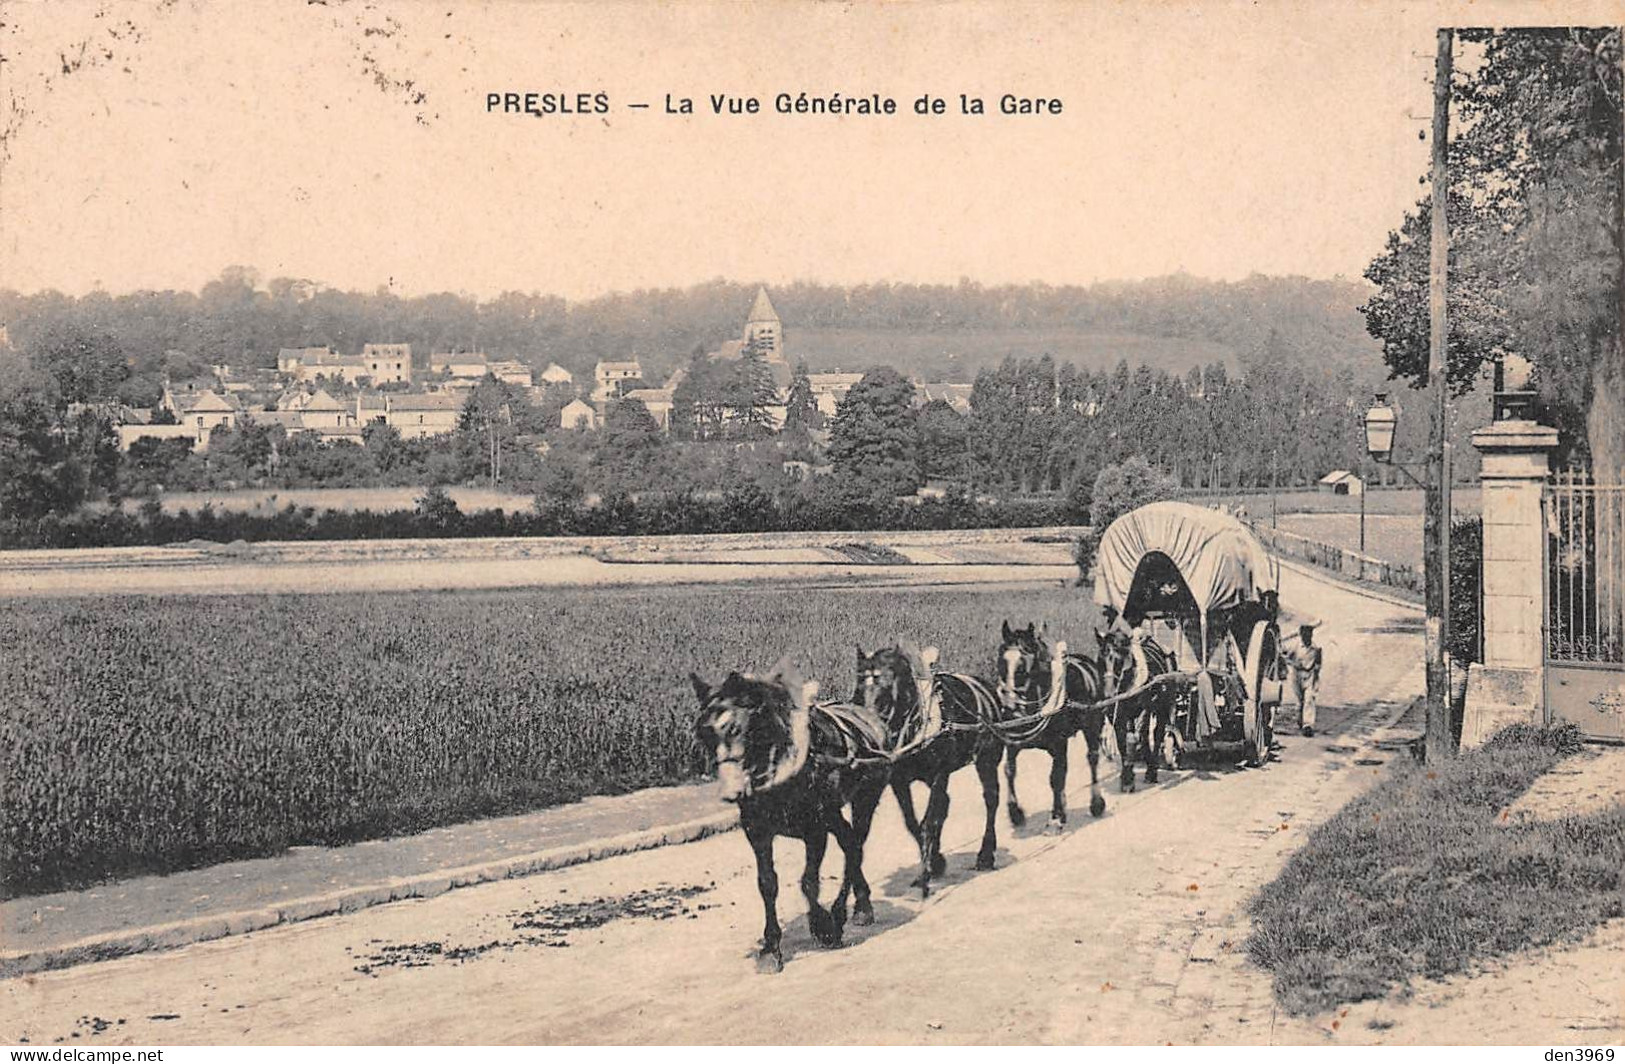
(380, 499)
(146, 734)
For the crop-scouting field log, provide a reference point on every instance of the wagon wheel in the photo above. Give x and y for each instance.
(1261, 690)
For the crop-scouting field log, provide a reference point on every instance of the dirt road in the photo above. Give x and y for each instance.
(1123, 929)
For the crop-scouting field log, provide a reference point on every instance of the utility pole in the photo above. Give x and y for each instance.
(1436, 522)
(1275, 482)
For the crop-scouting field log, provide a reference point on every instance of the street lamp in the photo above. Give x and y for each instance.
(1380, 422)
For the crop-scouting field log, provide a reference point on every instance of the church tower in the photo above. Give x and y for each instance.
(763, 327)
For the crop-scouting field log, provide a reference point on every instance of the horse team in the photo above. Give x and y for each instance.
(795, 765)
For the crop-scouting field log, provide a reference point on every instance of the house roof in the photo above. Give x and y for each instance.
(288, 419)
(321, 402)
(649, 395)
(387, 350)
(762, 309)
(618, 367)
(955, 395)
(204, 402)
(436, 401)
(833, 380)
(1336, 475)
(556, 372)
(573, 403)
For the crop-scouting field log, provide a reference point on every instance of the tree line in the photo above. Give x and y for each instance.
(240, 319)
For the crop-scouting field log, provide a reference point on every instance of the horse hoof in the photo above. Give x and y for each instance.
(1054, 827)
(769, 962)
(939, 865)
(984, 862)
(1018, 816)
(1150, 777)
(1128, 786)
(1097, 805)
(863, 917)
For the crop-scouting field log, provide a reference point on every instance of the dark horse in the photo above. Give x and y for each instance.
(891, 683)
(1026, 677)
(1129, 660)
(791, 766)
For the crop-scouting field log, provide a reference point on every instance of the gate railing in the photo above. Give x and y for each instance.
(1585, 569)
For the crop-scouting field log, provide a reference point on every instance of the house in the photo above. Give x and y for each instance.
(388, 363)
(557, 374)
(829, 389)
(578, 415)
(370, 408)
(469, 365)
(512, 372)
(197, 414)
(1342, 482)
(322, 411)
(615, 379)
(203, 410)
(955, 395)
(321, 415)
(657, 401)
(418, 416)
(309, 363)
(290, 359)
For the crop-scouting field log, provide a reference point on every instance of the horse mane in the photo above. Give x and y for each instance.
(783, 765)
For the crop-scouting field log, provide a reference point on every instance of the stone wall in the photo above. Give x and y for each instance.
(1347, 563)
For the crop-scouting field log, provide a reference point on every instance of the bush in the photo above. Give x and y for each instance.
(1466, 576)
(1119, 489)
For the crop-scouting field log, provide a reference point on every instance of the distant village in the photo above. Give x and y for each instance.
(382, 384)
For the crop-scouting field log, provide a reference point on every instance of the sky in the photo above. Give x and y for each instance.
(151, 145)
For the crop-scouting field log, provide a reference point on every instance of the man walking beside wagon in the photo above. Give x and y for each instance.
(1304, 658)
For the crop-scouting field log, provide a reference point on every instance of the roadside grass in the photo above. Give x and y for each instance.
(1416, 878)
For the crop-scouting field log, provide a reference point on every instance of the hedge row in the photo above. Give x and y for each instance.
(437, 516)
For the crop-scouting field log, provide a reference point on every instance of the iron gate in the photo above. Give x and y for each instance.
(1584, 626)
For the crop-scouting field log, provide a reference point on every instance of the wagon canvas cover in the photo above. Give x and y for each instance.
(1222, 563)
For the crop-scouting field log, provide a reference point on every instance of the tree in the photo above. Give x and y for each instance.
(872, 441)
(437, 509)
(1117, 490)
(941, 450)
(488, 417)
(752, 393)
(801, 407)
(86, 364)
(151, 464)
(383, 441)
(699, 400)
(628, 449)
(1537, 249)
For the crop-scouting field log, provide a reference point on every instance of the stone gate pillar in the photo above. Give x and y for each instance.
(1506, 688)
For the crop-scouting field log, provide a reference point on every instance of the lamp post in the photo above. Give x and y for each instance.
(1380, 422)
(1360, 476)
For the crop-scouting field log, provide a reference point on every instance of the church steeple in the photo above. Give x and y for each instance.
(762, 310)
(763, 328)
